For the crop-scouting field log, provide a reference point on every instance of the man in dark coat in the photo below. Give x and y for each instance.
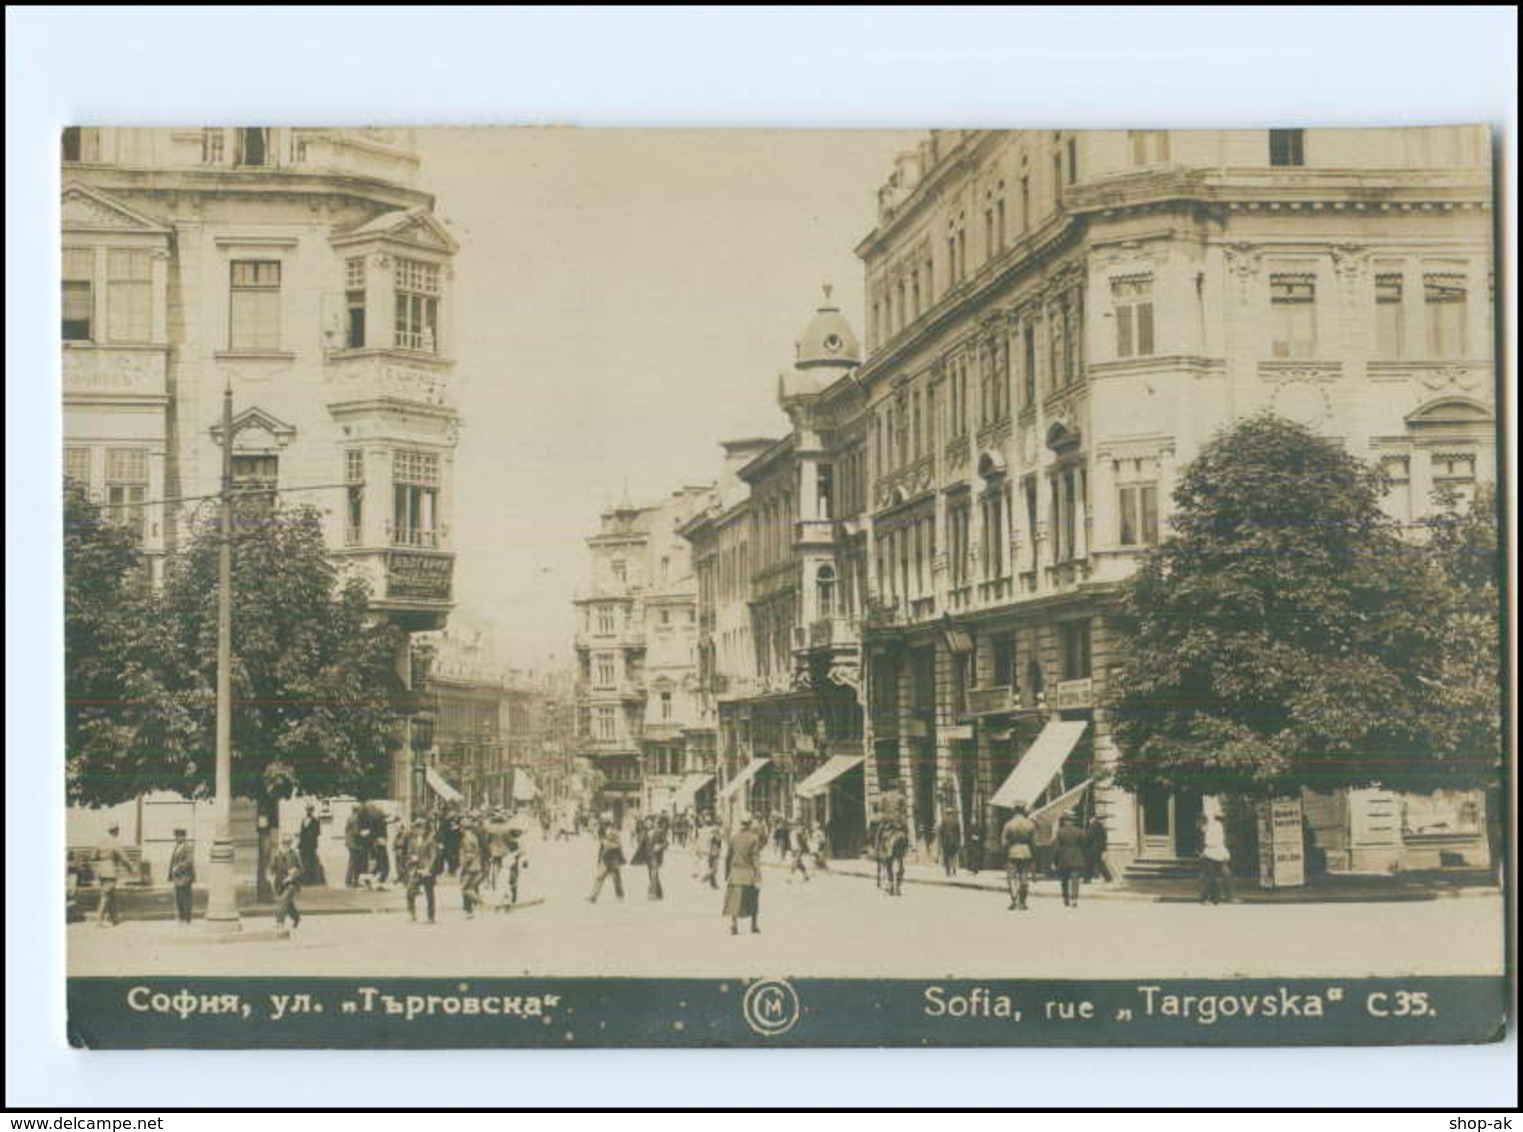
(949, 841)
(422, 866)
(182, 874)
(1068, 850)
(742, 870)
(354, 842)
(307, 838)
(1096, 841)
(285, 879)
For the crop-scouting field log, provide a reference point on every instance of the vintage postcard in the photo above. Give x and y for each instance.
(582, 587)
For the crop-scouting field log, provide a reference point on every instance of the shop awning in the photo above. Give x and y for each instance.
(1042, 760)
(524, 789)
(688, 788)
(1064, 802)
(743, 776)
(440, 787)
(835, 766)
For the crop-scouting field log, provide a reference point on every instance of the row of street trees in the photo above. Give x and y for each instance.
(1289, 634)
(311, 674)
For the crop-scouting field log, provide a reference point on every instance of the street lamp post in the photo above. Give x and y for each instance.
(222, 900)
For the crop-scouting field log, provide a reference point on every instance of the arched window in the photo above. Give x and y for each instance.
(825, 590)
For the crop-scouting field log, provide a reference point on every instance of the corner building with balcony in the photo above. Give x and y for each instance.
(304, 269)
(639, 720)
(1057, 322)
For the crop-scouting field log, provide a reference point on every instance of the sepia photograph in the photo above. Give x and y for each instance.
(585, 586)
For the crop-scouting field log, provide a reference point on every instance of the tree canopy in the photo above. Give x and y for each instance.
(311, 676)
(1287, 634)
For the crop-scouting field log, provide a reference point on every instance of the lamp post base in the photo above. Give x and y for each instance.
(221, 899)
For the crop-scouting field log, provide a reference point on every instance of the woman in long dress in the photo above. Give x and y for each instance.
(742, 869)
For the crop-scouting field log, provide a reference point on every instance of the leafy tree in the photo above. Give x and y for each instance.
(1286, 634)
(311, 674)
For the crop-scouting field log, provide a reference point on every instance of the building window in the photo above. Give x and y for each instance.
(1397, 471)
(1057, 178)
(1073, 160)
(620, 570)
(417, 286)
(129, 294)
(81, 144)
(78, 294)
(1453, 479)
(999, 219)
(666, 705)
(254, 146)
(1026, 204)
(1004, 662)
(1133, 299)
(127, 488)
(212, 145)
(606, 724)
(1390, 322)
(605, 671)
(1287, 147)
(959, 518)
(1293, 308)
(825, 590)
(1057, 344)
(76, 467)
(1068, 490)
(1029, 490)
(605, 622)
(254, 314)
(354, 510)
(415, 489)
(1074, 641)
(1444, 298)
(255, 478)
(1138, 505)
(1149, 147)
(354, 302)
(993, 546)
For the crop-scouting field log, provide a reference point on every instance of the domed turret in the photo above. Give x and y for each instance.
(828, 340)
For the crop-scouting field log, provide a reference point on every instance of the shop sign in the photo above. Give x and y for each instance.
(1282, 854)
(422, 576)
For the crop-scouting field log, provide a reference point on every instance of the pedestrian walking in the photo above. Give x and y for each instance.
(422, 867)
(514, 861)
(610, 859)
(472, 868)
(182, 874)
(110, 860)
(1070, 858)
(1215, 861)
(819, 845)
(449, 842)
(973, 848)
(713, 847)
(742, 870)
(798, 846)
(656, 840)
(1019, 839)
(1096, 842)
(355, 845)
(781, 838)
(307, 839)
(285, 879)
(949, 841)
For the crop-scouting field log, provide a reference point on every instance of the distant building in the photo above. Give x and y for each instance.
(636, 640)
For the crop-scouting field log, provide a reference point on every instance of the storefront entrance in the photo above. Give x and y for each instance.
(1167, 823)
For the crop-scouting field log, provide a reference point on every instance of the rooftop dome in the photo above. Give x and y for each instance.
(829, 339)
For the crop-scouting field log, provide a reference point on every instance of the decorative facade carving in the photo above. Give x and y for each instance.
(1243, 263)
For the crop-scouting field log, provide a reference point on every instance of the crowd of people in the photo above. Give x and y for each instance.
(484, 849)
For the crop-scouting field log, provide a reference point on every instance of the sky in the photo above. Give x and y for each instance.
(624, 301)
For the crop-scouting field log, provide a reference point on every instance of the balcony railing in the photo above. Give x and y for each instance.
(829, 631)
(922, 609)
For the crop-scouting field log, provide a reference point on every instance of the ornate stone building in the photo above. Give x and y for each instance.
(305, 270)
(1056, 322)
(636, 644)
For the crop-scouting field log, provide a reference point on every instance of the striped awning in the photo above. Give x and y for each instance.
(441, 787)
(835, 766)
(743, 776)
(1040, 764)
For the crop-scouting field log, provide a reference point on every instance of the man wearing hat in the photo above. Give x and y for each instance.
(423, 860)
(610, 859)
(1019, 837)
(285, 877)
(182, 874)
(110, 858)
(1069, 848)
(307, 837)
(742, 870)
